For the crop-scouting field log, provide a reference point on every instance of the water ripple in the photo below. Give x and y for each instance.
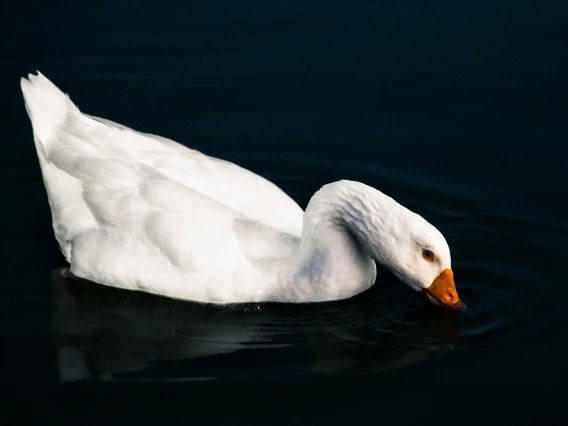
(106, 334)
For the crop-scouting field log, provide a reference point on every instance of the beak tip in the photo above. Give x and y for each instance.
(460, 306)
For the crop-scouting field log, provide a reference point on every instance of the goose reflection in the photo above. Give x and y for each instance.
(107, 334)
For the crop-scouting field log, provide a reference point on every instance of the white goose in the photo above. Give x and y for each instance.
(141, 212)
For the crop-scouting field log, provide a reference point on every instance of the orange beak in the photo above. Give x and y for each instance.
(443, 292)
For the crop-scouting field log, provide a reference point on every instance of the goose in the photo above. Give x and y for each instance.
(141, 212)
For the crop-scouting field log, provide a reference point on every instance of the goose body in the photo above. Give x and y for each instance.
(142, 212)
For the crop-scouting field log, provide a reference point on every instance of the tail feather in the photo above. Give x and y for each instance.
(47, 106)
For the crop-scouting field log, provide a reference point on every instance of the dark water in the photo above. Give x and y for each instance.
(459, 110)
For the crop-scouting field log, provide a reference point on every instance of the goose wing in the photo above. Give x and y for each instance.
(130, 208)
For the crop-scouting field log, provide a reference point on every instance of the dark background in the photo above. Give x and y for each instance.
(457, 109)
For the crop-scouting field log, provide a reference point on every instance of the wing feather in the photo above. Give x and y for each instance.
(130, 208)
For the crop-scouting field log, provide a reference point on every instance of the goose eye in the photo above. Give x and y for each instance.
(428, 255)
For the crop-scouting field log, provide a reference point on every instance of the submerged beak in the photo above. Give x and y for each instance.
(442, 292)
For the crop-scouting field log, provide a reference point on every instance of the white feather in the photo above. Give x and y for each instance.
(141, 212)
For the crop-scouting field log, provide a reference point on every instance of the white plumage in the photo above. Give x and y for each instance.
(141, 212)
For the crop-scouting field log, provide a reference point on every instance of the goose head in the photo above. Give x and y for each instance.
(420, 257)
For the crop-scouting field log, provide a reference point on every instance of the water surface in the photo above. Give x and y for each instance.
(456, 110)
